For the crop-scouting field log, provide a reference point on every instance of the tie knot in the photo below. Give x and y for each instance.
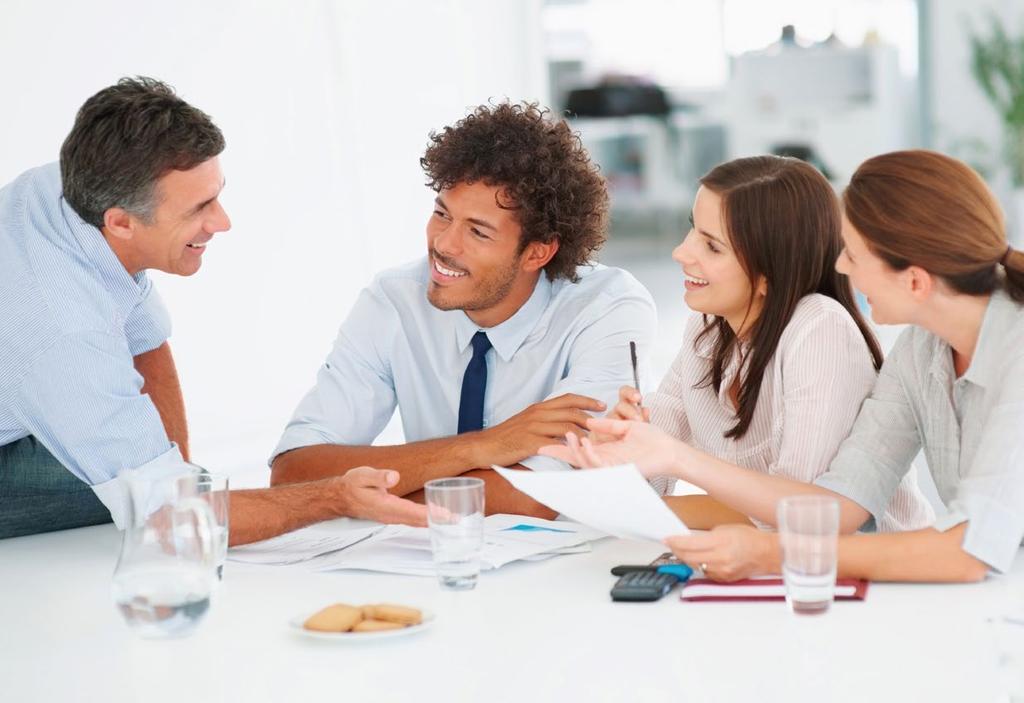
(480, 343)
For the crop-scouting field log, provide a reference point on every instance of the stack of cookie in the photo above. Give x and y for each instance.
(368, 618)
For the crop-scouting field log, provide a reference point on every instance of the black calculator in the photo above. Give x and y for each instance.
(643, 586)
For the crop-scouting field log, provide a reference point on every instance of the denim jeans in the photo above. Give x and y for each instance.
(37, 494)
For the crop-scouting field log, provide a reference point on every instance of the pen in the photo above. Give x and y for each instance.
(632, 357)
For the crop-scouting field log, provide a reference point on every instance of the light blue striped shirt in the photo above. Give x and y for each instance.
(71, 319)
(396, 348)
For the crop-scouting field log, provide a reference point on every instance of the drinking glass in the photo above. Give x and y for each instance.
(808, 532)
(213, 489)
(455, 513)
(165, 570)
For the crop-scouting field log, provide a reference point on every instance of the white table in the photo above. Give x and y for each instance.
(530, 632)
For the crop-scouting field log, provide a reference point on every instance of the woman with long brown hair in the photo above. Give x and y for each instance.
(777, 345)
(925, 241)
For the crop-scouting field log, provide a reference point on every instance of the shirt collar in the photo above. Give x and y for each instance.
(704, 346)
(125, 289)
(508, 336)
(942, 360)
(1000, 317)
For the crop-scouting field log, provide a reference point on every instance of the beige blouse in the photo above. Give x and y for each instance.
(811, 393)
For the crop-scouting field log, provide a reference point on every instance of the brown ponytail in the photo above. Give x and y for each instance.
(925, 209)
(1013, 265)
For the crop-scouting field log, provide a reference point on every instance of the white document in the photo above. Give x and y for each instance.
(302, 545)
(507, 538)
(616, 500)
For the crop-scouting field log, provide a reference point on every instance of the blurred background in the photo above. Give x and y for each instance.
(327, 105)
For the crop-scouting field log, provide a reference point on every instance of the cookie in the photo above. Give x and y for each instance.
(393, 613)
(376, 626)
(334, 618)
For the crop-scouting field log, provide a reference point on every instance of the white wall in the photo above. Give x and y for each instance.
(326, 107)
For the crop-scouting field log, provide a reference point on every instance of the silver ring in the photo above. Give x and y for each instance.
(703, 566)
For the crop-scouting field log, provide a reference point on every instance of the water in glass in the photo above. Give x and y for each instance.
(165, 570)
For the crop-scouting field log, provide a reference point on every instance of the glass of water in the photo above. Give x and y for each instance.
(455, 513)
(165, 570)
(213, 489)
(808, 532)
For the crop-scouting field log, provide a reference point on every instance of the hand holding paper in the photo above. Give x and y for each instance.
(616, 500)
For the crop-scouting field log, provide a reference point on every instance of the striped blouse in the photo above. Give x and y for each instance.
(812, 389)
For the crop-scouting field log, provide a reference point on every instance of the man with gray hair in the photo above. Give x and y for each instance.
(88, 387)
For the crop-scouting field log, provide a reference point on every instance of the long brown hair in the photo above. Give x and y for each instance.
(926, 209)
(782, 217)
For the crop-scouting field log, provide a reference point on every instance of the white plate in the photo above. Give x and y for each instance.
(296, 625)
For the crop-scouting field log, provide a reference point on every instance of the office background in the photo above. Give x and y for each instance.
(326, 107)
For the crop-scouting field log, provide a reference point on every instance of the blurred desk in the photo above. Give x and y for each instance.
(542, 631)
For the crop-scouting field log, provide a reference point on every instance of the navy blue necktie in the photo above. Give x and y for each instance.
(474, 383)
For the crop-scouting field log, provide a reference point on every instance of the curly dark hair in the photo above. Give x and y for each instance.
(540, 165)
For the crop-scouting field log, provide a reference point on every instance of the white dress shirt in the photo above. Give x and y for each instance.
(811, 392)
(397, 349)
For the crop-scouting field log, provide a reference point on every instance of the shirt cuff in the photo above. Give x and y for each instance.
(993, 533)
(545, 463)
(862, 492)
(113, 493)
(296, 438)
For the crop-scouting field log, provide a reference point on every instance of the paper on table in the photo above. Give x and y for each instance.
(300, 545)
(616, 500)
(507, 538)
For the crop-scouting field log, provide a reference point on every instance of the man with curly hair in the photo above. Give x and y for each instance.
(499, 341)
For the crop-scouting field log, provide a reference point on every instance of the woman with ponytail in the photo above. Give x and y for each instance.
(925, 242)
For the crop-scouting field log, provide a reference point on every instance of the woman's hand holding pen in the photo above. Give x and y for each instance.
(629, 406)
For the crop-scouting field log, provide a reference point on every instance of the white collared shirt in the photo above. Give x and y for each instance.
(396, 349)
(810, 394)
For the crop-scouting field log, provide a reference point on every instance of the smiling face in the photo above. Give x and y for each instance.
(887, 290)
(715, 281)
(187, 215)
(475, 260)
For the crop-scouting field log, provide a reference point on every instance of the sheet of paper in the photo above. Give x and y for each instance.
(301, 545)
(401, 553)
(507, 538)
(511, 537)
(616, 500)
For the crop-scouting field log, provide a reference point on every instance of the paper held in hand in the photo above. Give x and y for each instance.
(616, 500)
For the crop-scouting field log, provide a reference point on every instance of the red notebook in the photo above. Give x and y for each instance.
(761, 588)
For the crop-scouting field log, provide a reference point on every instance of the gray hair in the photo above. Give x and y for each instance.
(124, 139)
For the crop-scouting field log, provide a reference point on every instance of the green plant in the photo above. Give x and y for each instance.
(997, 62)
